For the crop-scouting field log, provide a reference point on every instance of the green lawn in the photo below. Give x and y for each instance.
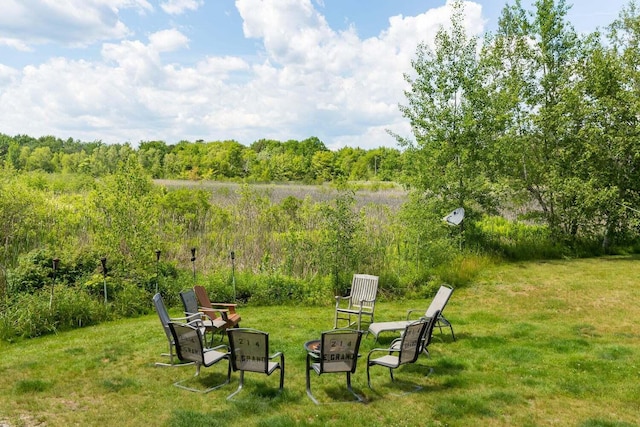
(554, 343)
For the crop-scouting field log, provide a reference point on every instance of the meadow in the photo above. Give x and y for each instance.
(538, 343)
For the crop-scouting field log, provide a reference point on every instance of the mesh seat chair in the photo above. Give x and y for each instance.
(360, 302)
(250, 353)
(338, 354)
(227, 310)
(189, 347)
(211, 319)
(163, 314)
(403, 350)
(428, 333)
(438, 303)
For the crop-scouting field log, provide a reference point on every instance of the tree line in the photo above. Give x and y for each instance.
(307, 161)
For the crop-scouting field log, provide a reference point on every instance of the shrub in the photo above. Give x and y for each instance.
(515, 240)
(131, 300)
(277, 290)
(462, 270)
(74, 308)
(28, 315)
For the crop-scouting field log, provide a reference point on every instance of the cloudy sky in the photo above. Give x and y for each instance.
(138, 70)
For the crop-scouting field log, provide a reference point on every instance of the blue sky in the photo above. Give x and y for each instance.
(137, 70)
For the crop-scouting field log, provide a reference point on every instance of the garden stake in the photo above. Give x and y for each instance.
(103, 260)
(55, 271)
(193, 261)
(157, 260)
(233, 274)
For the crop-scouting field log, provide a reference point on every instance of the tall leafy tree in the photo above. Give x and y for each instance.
(446, 112)
(534, 59)
(610, 88)
(124, 215)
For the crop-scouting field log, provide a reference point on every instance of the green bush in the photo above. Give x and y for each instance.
(33, 272)
(274, 289)
(28, 315)
(131, 300)
(74, 308)
(277, 290)
(515, 240)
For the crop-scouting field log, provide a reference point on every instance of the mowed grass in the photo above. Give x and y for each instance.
(550, 343)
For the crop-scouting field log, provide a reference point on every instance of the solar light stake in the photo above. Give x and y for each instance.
(157, 261)
(233, 273)
(103, 260)
(55, 271)
(193, 261)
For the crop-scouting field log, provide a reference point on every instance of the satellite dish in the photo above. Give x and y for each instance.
(455, 217)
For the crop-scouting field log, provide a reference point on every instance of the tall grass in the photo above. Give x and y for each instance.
(292, 244)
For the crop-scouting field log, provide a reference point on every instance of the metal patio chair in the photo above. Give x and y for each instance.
(189, 347)
(338, 353)
(250, 353)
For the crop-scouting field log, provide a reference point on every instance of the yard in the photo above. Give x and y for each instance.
(547, 343)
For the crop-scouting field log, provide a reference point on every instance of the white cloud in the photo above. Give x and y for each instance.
(16, 44)
(70, 22)
(309, 80)
(176, 7)
(335, 78)
(7, 75)
(168, 40)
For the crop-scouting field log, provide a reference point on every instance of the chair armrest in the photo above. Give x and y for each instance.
(211, 312)
(340, 298)
(223, 346)
(386, 350)
(230, 307)
(184, 319)
(224, 304)
(394, 346)
(278, 354)
(413, 310)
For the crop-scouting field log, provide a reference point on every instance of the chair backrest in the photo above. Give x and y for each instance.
(189, 302)
(428, 331)
(339, 350)
(439, 301)
(188, 341)
(249, 350)
(163, 314)
(410, 346)
(202, 297)
(364, 287)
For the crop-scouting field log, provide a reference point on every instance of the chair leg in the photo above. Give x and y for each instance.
(443, 321)
(228, 379)
(282, 376)
(171, 363)
(358, 397)
(313, 399)
(240, 385)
